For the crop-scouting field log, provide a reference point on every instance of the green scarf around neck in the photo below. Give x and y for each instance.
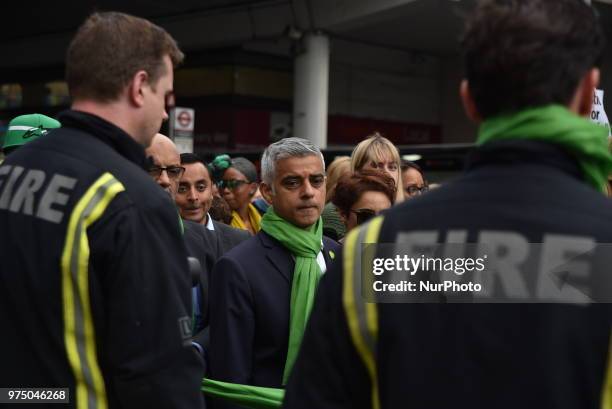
(305, 245)
(585, 141)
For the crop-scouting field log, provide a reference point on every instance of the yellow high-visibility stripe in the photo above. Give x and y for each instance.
(351, 252)
(371, 310)
(606, 396)
(349, 299)
(80, 335)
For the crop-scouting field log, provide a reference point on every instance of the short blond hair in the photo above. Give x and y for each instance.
(377, 147)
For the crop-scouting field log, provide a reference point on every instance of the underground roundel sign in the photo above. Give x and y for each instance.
(183, 119)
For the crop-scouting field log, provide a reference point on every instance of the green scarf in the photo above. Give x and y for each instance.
(586, 141)
(305, 245)
(255, 397)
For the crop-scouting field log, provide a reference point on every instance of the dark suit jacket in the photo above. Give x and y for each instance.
(249, 311)
(201, 244)
(228, 237)
(208, 246)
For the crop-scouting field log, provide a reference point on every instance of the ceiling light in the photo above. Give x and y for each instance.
(412, 157)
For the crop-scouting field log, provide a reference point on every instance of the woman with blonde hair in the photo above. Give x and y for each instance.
(378, 153)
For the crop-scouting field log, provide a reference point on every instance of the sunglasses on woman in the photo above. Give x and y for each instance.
(230, 183)
(363, 215)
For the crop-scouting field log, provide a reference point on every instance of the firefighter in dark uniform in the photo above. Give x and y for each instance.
(537, 176)
(94, 282)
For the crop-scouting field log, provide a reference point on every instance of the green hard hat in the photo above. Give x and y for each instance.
(26, 128)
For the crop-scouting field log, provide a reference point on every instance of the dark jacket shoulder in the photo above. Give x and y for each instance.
(230, 236)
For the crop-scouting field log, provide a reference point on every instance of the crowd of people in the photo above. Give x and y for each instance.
(138, 276)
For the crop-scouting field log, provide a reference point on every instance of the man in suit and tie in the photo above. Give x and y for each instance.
(262, 290)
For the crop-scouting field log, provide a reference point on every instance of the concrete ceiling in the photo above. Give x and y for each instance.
(39, 18)
(434, 26)
(431, 27)
(36, 33)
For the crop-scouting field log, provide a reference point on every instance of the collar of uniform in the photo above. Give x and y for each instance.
(107, 132)
(508, 152)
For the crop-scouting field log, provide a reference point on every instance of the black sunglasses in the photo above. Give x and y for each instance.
(363, 215)
(230, 183)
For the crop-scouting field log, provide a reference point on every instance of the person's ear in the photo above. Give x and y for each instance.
(266, 191)
(586, 92)
(469, 105)
(136, 88)
(253, 189)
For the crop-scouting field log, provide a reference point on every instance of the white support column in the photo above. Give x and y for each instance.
(311, 89)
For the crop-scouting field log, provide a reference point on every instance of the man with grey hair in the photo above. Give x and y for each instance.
(262, 290)
(283, 149)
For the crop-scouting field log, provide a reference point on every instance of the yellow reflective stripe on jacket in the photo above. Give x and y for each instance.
(362, 317)
(606, 396)
(79, 334)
